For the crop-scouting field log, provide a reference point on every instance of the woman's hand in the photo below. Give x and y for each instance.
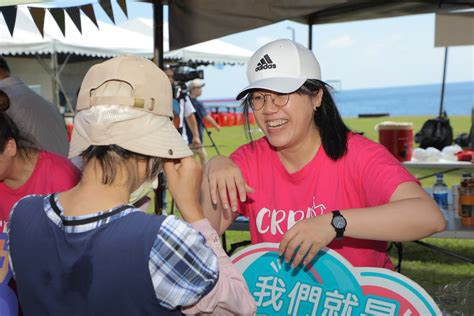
(184, 182)
(303, 241)
(226, 181)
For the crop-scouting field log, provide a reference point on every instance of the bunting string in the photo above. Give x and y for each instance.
(37, 14)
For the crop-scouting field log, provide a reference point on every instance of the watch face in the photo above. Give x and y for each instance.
(339, 222)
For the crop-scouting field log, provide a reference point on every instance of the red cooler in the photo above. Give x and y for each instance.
(398, 138)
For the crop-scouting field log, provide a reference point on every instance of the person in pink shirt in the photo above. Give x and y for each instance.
(100, 254)
(25, 170)
(310, 182)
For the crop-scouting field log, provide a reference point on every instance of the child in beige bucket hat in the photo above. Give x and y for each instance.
(102, 255)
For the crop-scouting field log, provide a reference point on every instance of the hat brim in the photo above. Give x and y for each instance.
(278, 84)
(149, 135)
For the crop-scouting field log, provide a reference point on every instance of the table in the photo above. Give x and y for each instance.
(454, 227)
(445, 166)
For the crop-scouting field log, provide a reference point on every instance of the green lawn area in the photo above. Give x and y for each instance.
(429, 269)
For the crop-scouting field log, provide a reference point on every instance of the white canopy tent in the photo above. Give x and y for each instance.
(30, 50)
(213, 51)
(105, 41)
(28, 44)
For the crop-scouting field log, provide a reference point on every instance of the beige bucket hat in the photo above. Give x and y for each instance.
(127, 101)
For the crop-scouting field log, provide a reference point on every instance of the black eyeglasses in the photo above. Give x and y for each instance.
(257, 100)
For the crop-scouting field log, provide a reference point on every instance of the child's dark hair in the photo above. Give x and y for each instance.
(331, 127)
(9, 130)
(110, 156)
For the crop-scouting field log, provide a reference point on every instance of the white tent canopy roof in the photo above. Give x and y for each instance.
(107, 41)
(135, 37)
(214, 51)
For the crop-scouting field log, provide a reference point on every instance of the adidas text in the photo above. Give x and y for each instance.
(266, 66)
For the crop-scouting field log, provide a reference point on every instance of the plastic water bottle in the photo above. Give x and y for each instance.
(440, 194)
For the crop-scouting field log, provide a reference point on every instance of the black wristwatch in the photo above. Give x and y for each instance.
(339, 223)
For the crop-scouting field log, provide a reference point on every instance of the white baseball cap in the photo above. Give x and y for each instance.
(282, 66)
(196, 83)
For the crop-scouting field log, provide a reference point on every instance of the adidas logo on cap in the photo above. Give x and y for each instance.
(265, 63)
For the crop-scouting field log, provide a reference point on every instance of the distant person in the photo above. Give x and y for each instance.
(182, 112)
(92, 252)
(195, 91)
(25, 170)
(186, 111)
(310, 182)
(33, 114)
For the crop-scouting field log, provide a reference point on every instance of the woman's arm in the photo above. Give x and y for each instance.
(222, 187)
(410, 215)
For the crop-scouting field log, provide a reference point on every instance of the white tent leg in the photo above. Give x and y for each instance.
(54, 75)
(55, 79)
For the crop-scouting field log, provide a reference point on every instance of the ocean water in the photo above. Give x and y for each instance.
(409, 100)
(396, 101)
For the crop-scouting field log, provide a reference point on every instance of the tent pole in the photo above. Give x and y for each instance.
(310, 36)
(158, 34)
(444, 81)
(61, 87)
(54, 73)
(55, 80)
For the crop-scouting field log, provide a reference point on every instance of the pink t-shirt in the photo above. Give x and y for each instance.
(366, 176)
(52, 173)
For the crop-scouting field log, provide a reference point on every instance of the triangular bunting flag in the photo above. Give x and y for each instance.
(107, 6)
(123, 6)
(9, 13)
(88, 10)
(75, 15)
(58, 15)
(38, 17)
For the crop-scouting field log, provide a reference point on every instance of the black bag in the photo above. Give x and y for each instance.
(436, 132)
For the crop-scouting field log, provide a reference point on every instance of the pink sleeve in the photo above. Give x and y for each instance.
(67, 175)
(61, 171)
(230, 295)
(380, 174)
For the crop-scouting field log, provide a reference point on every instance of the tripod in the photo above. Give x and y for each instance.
(208, 132)
(200, 120)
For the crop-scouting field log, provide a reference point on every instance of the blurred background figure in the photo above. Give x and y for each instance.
(186, 111)
(195, 91)
(25, 170)
(33, 114)
(183, 111)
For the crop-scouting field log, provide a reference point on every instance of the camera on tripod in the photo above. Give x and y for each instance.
(181, 77)
(188, 76)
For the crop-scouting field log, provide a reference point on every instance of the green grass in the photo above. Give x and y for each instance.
(429, 269)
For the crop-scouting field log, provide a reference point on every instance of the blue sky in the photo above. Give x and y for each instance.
(364, 54)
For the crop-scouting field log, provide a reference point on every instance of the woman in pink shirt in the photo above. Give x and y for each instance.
(310, 182)
(26, 170)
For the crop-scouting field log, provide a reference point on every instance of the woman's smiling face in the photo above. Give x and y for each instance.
(286, 125)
